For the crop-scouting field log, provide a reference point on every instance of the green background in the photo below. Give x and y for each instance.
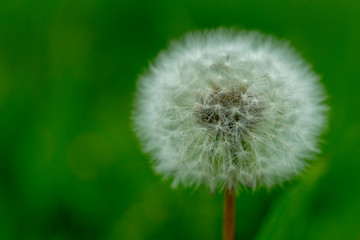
(70, 166)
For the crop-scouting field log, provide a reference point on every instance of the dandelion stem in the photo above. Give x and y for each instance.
(229, 215)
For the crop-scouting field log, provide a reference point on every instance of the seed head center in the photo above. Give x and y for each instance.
(229, 110)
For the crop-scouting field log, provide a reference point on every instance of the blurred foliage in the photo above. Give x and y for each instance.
(70, 166)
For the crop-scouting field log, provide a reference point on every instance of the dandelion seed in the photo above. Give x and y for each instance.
(252, 124)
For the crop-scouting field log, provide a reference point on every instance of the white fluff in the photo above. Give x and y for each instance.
(224, 108)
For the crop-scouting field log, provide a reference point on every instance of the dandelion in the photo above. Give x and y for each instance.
(227, 109)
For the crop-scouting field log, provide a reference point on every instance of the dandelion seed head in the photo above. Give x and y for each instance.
(226, 108)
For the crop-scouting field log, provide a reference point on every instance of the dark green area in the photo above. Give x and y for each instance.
(70, 166)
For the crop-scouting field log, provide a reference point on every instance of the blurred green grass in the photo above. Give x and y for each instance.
(70, 166)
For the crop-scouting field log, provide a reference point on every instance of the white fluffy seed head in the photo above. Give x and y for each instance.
(227, 108)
